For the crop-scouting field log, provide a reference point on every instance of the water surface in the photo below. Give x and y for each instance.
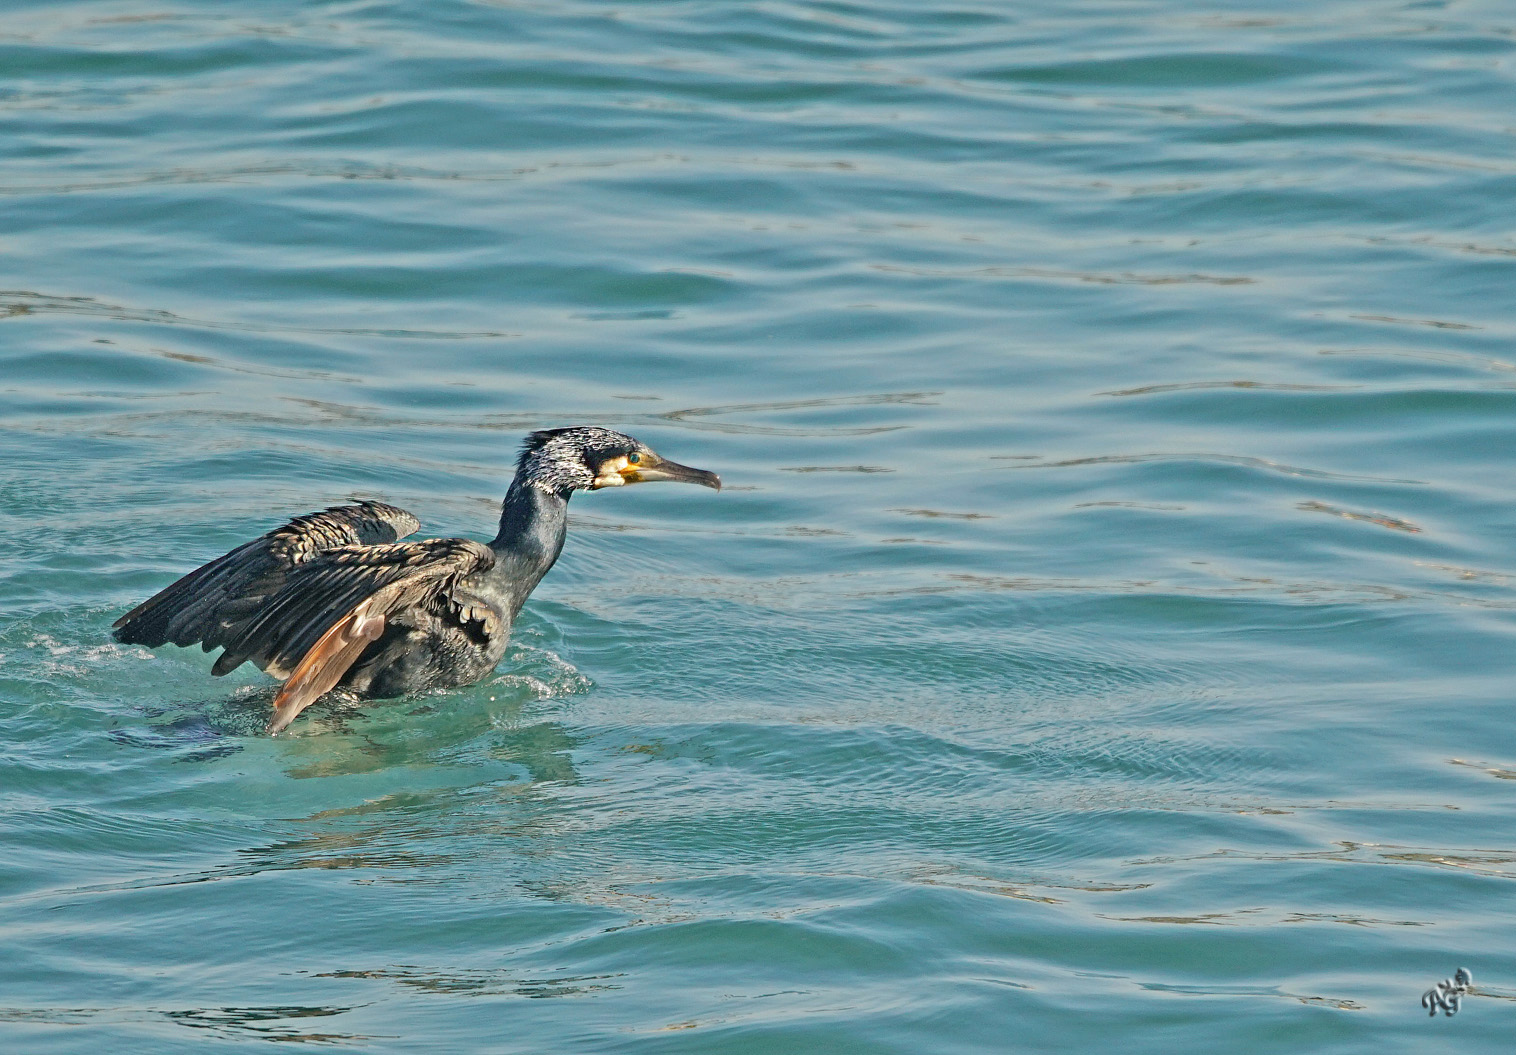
(1105, 637)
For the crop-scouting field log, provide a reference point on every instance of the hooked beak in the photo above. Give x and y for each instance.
(653, 468)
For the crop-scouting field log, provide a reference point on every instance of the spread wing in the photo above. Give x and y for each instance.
(304, 601)
(331, 608)
(318, 594)
(215, 604)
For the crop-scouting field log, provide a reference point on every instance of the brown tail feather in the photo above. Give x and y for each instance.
(323, 666)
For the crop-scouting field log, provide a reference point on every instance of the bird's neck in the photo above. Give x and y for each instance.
(533, 522)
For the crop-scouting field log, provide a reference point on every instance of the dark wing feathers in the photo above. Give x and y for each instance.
(322, 591)
(305, 600)
(323, 666)
(213, 604)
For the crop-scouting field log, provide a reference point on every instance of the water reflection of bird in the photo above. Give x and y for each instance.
(333, 599)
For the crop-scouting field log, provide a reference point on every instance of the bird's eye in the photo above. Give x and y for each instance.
(634, 458)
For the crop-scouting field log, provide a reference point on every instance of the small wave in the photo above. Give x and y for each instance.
(19, 302)
(1436, 324)
(1283, 468)
(1192, 386)
(1382, 519)
(1126, 278)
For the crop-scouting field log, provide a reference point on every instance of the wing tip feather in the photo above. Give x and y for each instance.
(322, 667)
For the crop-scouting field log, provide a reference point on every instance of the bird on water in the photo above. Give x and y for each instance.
(334, 599)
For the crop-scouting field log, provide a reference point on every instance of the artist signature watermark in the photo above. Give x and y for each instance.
(1447, 995)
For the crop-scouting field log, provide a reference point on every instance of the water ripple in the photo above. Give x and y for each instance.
(1204, 726)
(18, 302)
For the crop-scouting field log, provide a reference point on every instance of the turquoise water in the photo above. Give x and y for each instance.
(1104, 641)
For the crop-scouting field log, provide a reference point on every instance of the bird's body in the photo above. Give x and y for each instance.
(335, 599)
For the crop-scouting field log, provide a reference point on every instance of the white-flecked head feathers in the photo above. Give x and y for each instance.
(567, 460)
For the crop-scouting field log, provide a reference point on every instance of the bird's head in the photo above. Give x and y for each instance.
(587, 458)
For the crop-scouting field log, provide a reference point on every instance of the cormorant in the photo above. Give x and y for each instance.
(332, 598)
